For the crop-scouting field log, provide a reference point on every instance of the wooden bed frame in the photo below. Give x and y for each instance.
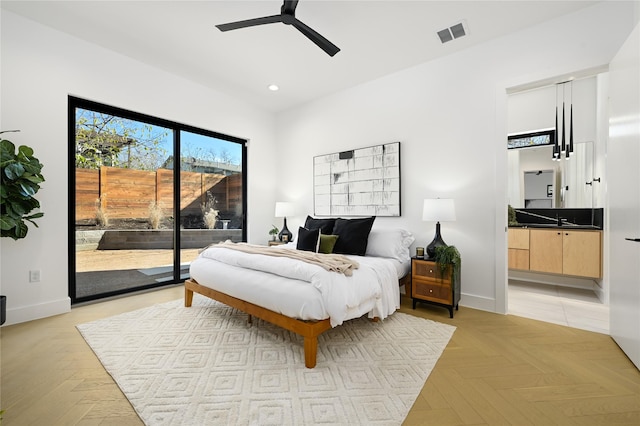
(310, 330)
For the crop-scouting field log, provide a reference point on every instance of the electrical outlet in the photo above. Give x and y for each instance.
(34, 276)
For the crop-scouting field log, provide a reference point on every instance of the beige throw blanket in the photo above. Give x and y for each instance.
(330, 262)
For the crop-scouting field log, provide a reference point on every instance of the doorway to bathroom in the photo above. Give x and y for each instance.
(539, 179)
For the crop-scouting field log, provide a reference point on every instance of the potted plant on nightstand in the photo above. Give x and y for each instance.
(448, 256)
(20, 181)
(274, 232)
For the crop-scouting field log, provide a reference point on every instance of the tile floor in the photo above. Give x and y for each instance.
(577, 308)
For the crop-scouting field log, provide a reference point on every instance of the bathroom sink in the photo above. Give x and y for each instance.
(554, 226)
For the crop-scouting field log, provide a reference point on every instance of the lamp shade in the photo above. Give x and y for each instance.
(439, 210)
(283, 209)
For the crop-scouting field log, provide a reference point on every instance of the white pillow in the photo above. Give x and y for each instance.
(392, 243)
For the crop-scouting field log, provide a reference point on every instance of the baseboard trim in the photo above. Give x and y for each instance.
(34, 312)
(478, 302)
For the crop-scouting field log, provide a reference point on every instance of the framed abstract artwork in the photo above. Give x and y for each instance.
(359, 182)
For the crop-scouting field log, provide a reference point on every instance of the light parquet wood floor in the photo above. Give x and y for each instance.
(496, 370)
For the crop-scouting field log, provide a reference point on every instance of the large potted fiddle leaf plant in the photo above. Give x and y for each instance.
(20, 181)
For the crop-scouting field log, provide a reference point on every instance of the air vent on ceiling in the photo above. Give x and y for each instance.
(454, 31)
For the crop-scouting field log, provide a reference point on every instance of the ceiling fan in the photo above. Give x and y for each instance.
(287, 16)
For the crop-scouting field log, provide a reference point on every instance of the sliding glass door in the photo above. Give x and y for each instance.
(211, 188)
(138, 216)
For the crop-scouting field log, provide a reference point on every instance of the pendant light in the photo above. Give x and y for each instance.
(561, 145)
(563, 148)
(571, 124)
(556, 148)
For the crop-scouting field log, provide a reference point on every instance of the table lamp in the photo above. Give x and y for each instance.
(436, 210)
(284, 209)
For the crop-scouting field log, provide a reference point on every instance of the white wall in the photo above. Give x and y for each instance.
(40, 68)
(536, 109)
(450, 116)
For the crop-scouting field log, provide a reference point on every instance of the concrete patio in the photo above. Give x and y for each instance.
(104, 271)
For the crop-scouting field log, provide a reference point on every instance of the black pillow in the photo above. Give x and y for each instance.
(308, 239)
(353, 235)
(324, 225)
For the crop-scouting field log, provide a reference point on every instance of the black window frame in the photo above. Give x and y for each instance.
(76, 102)
(550, 133)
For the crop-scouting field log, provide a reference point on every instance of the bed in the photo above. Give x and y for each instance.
(302, 297)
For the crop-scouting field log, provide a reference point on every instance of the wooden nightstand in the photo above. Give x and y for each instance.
(429, 286)
(276, 243)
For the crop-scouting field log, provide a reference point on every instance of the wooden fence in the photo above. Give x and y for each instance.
(127, 193)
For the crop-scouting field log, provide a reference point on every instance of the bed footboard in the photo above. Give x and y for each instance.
(310, 330)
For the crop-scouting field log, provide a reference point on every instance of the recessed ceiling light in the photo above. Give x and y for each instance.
(273, 87)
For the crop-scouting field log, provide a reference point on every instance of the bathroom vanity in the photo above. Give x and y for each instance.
(557, 241)
(556, 250)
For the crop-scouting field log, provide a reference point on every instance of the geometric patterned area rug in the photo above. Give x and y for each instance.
(205, 365)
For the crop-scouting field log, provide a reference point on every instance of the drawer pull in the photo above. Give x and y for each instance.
(430, 291)
(431, 271)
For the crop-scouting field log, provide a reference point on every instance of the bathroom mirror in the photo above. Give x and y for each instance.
(539, 189)
(571, 180)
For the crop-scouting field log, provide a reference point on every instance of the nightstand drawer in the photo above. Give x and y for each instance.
(432, 291)
(429, 270)
(424, 269)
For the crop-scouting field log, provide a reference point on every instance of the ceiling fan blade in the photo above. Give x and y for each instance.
(289, 7)
(250, 23)
(315, 37)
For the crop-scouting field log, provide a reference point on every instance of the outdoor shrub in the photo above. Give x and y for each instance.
(210, 218)
(209, 203)
(155, 215)
(101, 211)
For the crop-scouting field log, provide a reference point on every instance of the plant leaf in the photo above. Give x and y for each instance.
(34, 179)
(33, 166)
(34, 216)
(21, 230)
(28, 190)
(14, 170)
(17, 209)
(25, 152)
(7, 148)
(7, 222)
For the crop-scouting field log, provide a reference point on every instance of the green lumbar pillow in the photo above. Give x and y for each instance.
(326, 243)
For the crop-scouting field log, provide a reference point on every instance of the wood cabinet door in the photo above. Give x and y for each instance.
(518, 238)
(545, 250)
(519, 259)
(581, 253)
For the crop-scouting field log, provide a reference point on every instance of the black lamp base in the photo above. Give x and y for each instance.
(437, 242)
(285, 235)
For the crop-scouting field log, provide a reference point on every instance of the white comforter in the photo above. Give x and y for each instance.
(373, 284)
